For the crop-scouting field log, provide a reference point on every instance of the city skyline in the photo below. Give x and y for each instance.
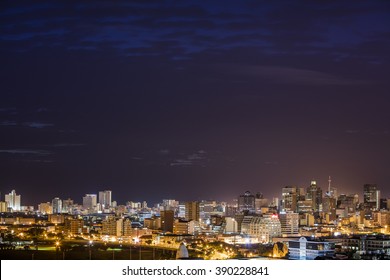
(193, 100)
(99, 195)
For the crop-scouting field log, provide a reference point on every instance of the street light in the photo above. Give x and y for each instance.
(90, 252)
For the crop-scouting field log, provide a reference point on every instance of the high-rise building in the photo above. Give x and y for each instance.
(246, 202)
(13, 200)
(290, 199)
(192, 211)
(89, 202)
(314, 193)
(167, 219)
(329, 207)
(56, 205)
(371, 197)
(105, 199)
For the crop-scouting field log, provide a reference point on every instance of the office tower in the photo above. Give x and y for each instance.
(290, 199)
(329, 207)
(167, 218)
(105, 199)
(13, 200)
(89, 201)
(56, 205)
(192, 211)
(371, 197)
(246, 202)
(314, 193)
(289, 222)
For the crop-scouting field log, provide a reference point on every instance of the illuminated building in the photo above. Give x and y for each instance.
(329, 207)
(67, 205)
(45, 208)
(372, 244)
(289, 222)
(3, 206)
(265, 227)
(170, 204)
(290, 199)
(230, 225)
(109, 226)
(192, 211)
(56, 218)
(89, 202)
(348, 202)
(13, 200)
(153, 223)
(105, 199)
(246, 202)
(56, 205)
(314, 193)
(181, 211)
(180, 227)
(74, 226)
(127, 229)
(382, 217)
(371, 197)
(308, 249)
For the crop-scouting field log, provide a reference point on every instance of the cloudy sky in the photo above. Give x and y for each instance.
(192, 99)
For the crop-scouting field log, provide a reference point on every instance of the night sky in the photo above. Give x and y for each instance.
(192, 99)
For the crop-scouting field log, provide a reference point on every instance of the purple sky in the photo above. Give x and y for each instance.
(191, 99)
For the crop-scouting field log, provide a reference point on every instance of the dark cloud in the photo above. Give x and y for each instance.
(24, 152)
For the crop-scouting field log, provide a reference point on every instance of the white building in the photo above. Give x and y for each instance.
(56, 205)
(265, 227)
(13, 200)
(304, 249)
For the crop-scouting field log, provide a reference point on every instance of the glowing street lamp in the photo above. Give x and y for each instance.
(90, 252)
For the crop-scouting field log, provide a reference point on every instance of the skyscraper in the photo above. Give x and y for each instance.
(105, 199)
(89, 201)
(13, 200)
(289, 198)
(314, 193)
(371, 197)
(56, 205)
(167, 218)
(192, 210)
(246, 202)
